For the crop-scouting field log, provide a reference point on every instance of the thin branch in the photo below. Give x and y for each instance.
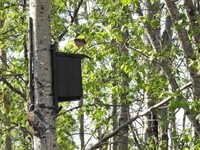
(26, 130)
(192, 16)
(13, 88)
(10, 31)
(4, 61)
(76, 11)
(141, 53)
(72, 20)
(90, 105)
(8, 7)
(15, 125)
(11, 75)
(103, 140)
(69, 110)
(154, 40)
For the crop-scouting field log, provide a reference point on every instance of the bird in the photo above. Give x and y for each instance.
(80, 42)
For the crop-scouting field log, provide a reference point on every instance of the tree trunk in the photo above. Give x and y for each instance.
(81, 134)
(114, 113)
(100, 136)
(123, 135)
(43, 117)
(151, 37)
(173, 130)
(114, 122)
(6, 111)
(163, 129)
(6, 100)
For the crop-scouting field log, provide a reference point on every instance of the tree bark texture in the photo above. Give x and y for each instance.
(123, 135)
(114, 122)
(43, 118)
(81, 134)
(114, 114)
(124, 112)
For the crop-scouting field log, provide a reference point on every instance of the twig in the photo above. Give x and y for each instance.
(15, 125)
(13, 88)
(76, 11)
(72, 20)
(69, 110)
(91, 105)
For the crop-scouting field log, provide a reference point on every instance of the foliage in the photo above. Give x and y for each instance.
(123, 69)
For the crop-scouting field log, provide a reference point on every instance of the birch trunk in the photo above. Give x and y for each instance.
(42, 118)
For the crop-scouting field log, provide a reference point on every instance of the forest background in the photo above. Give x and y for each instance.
(144, 70)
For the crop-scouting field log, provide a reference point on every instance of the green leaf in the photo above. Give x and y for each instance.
(136, 3)
(178, 104)
(180, 22)
(126, 2)
(154, 23)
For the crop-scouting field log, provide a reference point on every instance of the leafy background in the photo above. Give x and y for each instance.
(123, 68)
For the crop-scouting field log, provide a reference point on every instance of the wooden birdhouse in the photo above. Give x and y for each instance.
(67, 76)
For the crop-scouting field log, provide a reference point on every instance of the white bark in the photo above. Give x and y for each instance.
(42, 119)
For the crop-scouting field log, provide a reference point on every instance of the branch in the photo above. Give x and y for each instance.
(76, 11)
(4, 61)
(72, 20)
(152, 35)
(91, 105)
(192, 16)
(141, 53)
(103, 140)
(182, 32)
(13, 88)
(69, 110)
(8, 7)
(24, 129)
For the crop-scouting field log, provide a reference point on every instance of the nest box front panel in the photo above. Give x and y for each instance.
(69, 79)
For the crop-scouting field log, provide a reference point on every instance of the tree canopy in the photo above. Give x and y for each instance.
(141, 85)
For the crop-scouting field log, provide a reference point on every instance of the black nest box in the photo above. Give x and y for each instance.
(67, 76)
